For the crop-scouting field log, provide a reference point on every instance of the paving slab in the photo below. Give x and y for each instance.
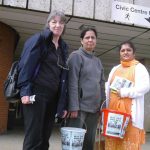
(13, 139)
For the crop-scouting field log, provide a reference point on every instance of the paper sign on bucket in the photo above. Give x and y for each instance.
(72, 138)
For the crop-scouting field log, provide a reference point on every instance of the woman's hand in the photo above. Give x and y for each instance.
(25, 100)
(73, 114)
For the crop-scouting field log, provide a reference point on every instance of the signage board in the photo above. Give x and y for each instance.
(130, 14)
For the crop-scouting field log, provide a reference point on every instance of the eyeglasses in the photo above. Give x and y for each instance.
(54, 22)
(62, 67)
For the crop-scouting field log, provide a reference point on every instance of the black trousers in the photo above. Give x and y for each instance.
(38, 121)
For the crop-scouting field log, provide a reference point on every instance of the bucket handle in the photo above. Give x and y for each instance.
(65, 122)
(104, 102)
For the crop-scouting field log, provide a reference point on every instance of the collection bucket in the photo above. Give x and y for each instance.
(72, 138)
(114, 123)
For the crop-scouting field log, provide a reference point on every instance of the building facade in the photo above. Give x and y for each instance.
(115, 21)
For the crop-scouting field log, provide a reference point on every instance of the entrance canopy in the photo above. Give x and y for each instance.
(110, 35)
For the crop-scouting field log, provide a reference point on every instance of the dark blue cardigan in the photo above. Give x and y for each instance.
(35, 48)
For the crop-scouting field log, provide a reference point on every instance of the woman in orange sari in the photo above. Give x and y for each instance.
(128, 98)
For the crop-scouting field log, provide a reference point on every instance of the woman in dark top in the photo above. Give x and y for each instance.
(42, 95)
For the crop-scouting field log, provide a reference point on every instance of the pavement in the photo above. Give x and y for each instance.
(13, 139)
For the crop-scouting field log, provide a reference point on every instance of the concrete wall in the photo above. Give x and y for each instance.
(67, 6)
(93, 9)
(84, 8)
(20, 3)
(102, 9)
(96, 9)
(41, 5)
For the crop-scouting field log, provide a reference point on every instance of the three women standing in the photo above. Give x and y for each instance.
(86, 88)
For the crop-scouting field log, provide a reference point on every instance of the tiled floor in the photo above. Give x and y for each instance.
(13, 139)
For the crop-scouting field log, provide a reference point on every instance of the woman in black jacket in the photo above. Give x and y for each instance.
(42, 81)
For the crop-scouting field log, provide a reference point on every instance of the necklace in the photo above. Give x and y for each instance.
(56, 44)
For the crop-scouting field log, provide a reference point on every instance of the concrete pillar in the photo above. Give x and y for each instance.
(147, 102)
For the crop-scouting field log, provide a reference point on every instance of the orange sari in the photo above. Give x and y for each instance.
(134, 137)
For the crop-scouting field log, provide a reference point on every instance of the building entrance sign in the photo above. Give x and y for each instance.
(130, 14)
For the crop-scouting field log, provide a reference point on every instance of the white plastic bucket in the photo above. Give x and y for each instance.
(72, 138)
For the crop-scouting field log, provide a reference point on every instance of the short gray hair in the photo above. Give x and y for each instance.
(54, 14)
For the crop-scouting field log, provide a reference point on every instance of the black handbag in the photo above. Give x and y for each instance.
(11, 92)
